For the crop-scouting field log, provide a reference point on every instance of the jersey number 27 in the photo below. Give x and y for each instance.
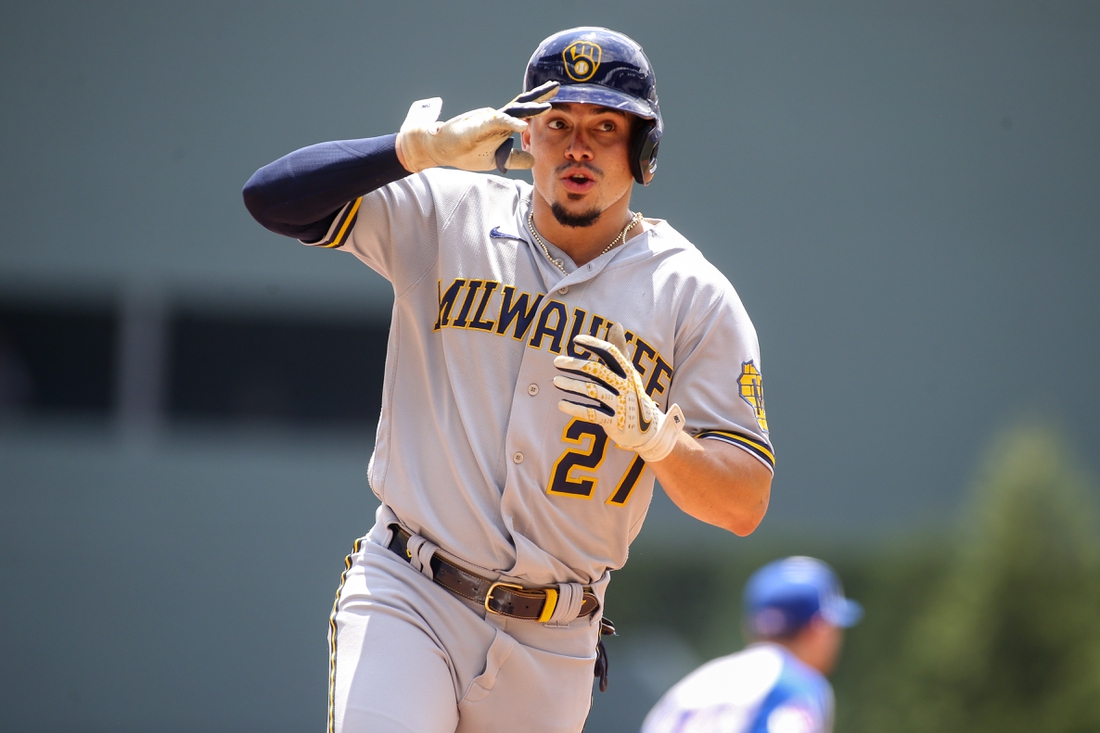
(573, 472)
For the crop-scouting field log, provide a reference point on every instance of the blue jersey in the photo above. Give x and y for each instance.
(763, 689)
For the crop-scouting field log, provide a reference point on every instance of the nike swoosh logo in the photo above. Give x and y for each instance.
(642, 422)
(495, 233)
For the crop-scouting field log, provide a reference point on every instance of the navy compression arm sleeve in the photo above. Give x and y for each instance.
(300, 194)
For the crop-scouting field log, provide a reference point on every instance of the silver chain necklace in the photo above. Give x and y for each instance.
(531, 224)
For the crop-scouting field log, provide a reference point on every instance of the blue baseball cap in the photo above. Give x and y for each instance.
(781, 597)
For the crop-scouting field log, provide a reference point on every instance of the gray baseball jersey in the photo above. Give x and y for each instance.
(472, 451)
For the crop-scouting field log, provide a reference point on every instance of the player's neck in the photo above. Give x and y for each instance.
(817, 645)
(584, 244)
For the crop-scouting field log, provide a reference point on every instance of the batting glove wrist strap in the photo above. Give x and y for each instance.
(669, 426)
(478, 140)
(622, 408)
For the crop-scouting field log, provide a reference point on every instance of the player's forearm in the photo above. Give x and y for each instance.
(716, 483)
(299, 194)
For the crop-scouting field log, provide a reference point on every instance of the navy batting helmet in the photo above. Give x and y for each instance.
(601, 66)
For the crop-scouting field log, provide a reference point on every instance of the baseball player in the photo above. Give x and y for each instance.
(551, 353)
(795, 613)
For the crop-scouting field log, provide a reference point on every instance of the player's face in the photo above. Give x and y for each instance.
(582, 165)
(823, 650)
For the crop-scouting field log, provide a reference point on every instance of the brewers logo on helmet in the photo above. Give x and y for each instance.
(582, 59)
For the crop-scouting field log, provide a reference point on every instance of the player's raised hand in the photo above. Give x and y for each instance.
(532, 103)
(528, 104)
(627, 414)
(478, 140)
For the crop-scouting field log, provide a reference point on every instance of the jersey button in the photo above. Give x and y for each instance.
(532, 389)
(517, 457)
(563, 291)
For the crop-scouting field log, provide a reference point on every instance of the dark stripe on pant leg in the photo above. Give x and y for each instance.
(332, 639)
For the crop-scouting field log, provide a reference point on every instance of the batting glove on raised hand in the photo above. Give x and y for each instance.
(479, 140)
(623, 409)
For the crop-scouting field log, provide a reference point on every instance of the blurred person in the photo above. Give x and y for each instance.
(794, 616)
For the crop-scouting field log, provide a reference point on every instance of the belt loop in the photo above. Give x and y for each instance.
(420, 553)
(570, 598)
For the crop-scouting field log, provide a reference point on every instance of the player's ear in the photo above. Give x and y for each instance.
(525, 138)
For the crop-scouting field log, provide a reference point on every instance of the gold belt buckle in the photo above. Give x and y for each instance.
(494, 586)
(547, 607)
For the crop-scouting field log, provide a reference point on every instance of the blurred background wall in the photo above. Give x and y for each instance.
(906, 197)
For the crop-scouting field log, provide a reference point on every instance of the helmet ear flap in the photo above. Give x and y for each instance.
(643, 150)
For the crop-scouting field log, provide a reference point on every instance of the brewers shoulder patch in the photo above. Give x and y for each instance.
(752, 391)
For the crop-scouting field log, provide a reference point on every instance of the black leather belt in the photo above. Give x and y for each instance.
(504, 599)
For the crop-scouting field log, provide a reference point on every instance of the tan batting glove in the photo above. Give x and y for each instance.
(479, 140)
(627, 414)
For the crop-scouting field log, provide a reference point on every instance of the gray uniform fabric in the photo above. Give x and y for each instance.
(409, 656)
(472, 452)
(475, 460)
